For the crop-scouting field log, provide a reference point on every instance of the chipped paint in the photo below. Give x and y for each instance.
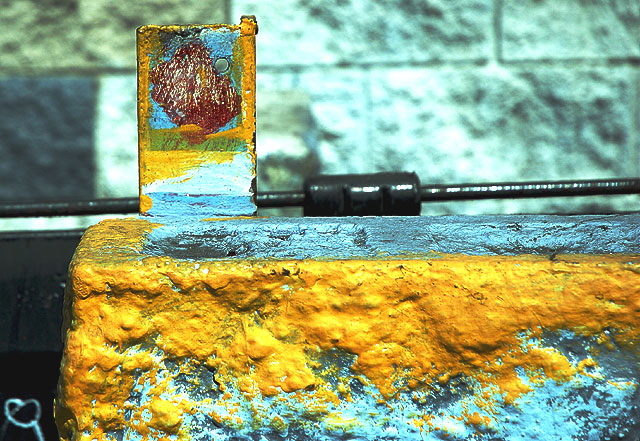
(431, 346)
(196, 119)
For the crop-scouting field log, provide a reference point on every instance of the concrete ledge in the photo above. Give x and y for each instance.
(379, 343)
(349, 238)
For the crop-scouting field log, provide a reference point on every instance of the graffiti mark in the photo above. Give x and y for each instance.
(24, 414)
(191, 91)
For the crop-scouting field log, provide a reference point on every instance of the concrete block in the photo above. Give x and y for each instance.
(46, 138)
(88, 33)
(491, 124)
(366, 31)
(564, 29)
(363, 329)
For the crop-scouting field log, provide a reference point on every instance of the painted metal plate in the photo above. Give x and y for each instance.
(196, 111)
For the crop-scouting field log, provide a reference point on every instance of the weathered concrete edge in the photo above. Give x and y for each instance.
(367, 237)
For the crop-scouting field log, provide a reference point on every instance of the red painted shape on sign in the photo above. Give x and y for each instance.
(191, 91)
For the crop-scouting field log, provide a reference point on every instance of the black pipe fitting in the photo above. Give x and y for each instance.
(379, 194)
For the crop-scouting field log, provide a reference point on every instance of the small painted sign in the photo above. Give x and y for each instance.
(196, 117)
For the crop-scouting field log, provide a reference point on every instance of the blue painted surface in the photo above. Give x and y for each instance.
(199, 205)
(159, 118)
(209, 190)
(350, 238)
(220, 42)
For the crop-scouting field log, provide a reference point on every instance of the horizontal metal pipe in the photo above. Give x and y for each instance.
(516, 190)
(428, 193)
(70, 208)
(121, 205)
(22, 235)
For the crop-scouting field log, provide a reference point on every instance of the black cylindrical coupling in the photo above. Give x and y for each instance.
(378, 194)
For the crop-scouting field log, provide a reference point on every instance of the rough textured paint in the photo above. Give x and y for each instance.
(395, 346)
(195, 113)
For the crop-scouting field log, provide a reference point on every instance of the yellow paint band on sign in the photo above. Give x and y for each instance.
(174, 164)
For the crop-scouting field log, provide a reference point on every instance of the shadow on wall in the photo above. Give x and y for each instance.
(286, 144)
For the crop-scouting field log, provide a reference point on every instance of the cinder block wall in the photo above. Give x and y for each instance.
(462, 91)
(466, 90)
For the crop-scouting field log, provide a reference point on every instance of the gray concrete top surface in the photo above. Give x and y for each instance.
(395, 237)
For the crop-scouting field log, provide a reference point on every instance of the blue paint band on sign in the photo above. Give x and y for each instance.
(179, 205)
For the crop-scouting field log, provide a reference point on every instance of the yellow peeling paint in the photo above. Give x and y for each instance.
(171, 164)
(409, 323)
(145, 203)
(165, 416)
